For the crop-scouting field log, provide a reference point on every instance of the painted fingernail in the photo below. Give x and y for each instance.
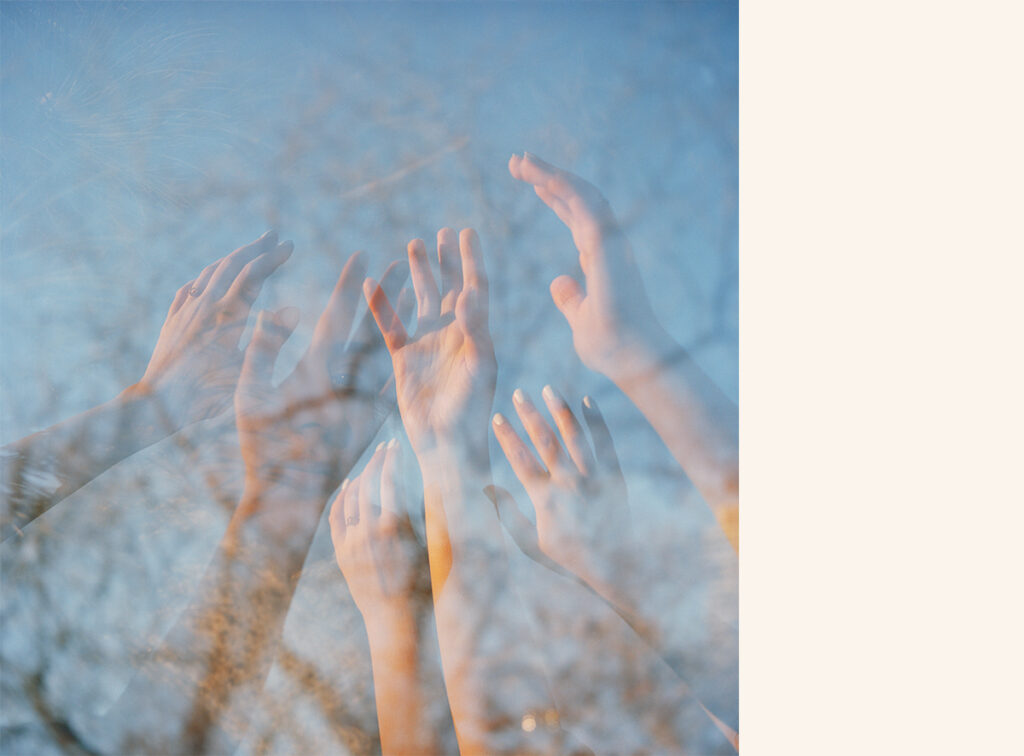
(393, 443)
(588, 402)
(499, 419)
(518, 397)
(548, 393)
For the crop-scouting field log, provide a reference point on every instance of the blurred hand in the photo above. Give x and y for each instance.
(610, 311)
(373, 540)
(307, 432)
(445, 372)
(196, 362)
(579, 495)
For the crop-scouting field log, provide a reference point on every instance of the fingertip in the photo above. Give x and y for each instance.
(416, 247)
(549, 394)
(588, 403)
(499, 419)
(369, 287)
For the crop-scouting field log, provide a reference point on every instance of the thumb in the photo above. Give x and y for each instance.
(269, 335)
(568, 295)
(518, 526)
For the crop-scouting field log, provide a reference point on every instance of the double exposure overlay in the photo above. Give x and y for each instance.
(446, 460)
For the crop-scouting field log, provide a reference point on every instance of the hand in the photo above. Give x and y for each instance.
(579, 496)
(445, 373)
(195, 365)
(373, 540)
(611, 314)
(308, 432)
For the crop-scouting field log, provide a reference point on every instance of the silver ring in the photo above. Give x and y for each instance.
(352, 520)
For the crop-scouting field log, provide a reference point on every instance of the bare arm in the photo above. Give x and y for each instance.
(191, 376)
(616, 333)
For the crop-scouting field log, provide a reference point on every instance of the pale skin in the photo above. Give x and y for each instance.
(445, 377)
(583, 525)
(616, 333)
(380, 559)
(298, 440)
(191, 376)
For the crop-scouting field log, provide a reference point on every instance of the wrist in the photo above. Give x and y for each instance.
(637, 356)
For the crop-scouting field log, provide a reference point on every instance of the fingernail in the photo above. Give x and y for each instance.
(286, 246)
(588, 403)
(393, 443)
(344, 485)
(499, 419)
(518, 397)
(379, 446)
(548, 393)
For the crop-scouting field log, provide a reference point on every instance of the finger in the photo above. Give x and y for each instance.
(471, 309)
(428, 298)
(451, 269)
(474, 274)
(232, 265)
(568, 295)
(369, 486)
(561, 209)
(544, 439)
(199, 285)
(604, 448)
(406, 303)
(179, 298)
(269, 335)
(391, 507)
(387, 319)
(336, 518)
(573, 437)
(524, 463)
(531, 169)
(515, 522)
(351, 510)
(249, 283)
(335, 322)
(366, 357)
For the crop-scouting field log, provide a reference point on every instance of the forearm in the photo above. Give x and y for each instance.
(41, 470)
(395, 655)
(694, 418)
(210, 670)
(492, 671)
(697, 640)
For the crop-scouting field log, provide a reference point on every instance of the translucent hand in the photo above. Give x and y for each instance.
(309, 430)
(579, 495)
(610, 309)
(195, 365)
(445, 372)
(373, 540)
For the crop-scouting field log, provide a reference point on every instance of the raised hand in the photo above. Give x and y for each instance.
(609, 311)
(196, 362)
(192, 375)
(616, 333)
(373, 542)
(308, 431)
(445, 372)
(579, 495)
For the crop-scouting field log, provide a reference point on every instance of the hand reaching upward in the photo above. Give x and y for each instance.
(445, 372)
